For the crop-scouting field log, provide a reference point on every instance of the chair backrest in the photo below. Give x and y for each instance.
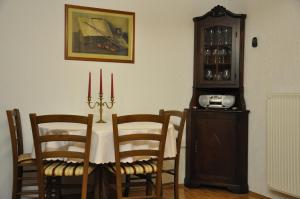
(179, 126)
(134, 136)
(40, 139)
(15, 129)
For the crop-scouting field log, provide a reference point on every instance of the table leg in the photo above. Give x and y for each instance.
(99, 177)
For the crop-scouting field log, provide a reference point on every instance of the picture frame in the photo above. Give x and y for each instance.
(95, 34)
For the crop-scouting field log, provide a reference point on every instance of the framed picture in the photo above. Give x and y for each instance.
(95, 34)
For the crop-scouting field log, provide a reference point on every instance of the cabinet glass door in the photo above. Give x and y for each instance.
(217, 54)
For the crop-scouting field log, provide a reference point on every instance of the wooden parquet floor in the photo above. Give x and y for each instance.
(199, 193)
(205, 193)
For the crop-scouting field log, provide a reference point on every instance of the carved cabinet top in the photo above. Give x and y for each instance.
(219, 11)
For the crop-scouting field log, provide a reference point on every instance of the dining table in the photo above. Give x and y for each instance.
(102, 141)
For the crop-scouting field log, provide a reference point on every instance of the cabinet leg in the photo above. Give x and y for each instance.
(239, 189)
(189, 184)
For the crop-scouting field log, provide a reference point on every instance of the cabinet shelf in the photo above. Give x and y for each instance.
(225, 110)
(217, 64)
(217, 46)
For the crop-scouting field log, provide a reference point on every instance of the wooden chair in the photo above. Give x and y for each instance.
(59, 167)
(138, 167)
(24, 167)
(175, 170)
(180, 117)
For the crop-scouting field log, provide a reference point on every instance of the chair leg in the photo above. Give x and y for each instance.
(17, 183)
(176, 171)
(57, 187)
(148, 184)
(127, 186)
(101, 181)
(48, 188)
(53, 188)
(96, 184)
(161, 188)
(176, 194)
(14, 188)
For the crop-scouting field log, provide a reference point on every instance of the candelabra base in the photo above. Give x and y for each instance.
(100, 121)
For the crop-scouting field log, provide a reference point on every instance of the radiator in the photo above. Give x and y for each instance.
(283, 143)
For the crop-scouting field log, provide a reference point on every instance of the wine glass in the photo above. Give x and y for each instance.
(227, 35)
(215, 55)
(222, 54)
(219, 35)
(226, 74)
(211, 36)
(209, 74)
(207, 53)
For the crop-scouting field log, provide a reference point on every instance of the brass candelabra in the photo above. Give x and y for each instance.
(101, 104)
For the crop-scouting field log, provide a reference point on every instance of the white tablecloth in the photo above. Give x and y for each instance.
(102, 145)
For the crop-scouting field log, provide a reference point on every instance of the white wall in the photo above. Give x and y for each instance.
(35, 77)
(271, 67)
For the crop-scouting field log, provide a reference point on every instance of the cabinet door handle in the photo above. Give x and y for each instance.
(196, 147)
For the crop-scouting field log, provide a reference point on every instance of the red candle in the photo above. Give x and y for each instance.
(101, 91)
(89, 88)
(112, 86)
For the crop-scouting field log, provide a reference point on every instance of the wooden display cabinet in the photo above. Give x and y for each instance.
(217, 138)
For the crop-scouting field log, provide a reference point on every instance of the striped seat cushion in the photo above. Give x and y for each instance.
(25, 159)
(139, 167)
(60, 168)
